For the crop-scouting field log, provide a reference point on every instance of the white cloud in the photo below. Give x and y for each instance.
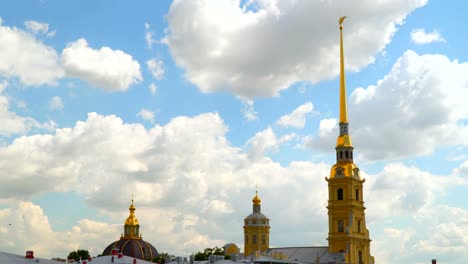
(188, 157)
(156, 67)
(39, 64)
(297, 118)
(146, 115)
(419, 36)
(149, 36)
(250, 50)
(413, 110)
(56, 103)
(153, 88)
(265, 141)
(198, 173)
(37, 27)
(31, 229)
(248, 110)
(110, 69)
(13, 124)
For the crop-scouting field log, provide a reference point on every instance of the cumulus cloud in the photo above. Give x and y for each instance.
(264, 141)
(56, 103)
(146, 115)
(13, 124)
(30, 229)
(113, 70)
(413, 110)
(188, 157)
(249, 49)
(198, 173)
(297, 118)
(24, 57)
(419, 36)
(156, 67)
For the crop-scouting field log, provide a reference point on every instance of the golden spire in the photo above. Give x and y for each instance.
(343, 107)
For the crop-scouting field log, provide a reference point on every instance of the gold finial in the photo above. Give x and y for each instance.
(131, 219)
(256, 199)
(343, 106)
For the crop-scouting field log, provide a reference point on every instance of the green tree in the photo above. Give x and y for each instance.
(208, 252)
(79, 254)
(161, 258)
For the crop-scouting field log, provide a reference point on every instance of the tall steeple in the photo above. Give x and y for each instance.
(343, 106)
(347, 233)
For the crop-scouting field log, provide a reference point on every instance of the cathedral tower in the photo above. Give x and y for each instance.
(347, 231)
(256, 230)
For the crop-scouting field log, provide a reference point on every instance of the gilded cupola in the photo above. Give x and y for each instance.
(132, 226)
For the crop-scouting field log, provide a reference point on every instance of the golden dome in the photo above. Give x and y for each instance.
(131, 219)
(256, 199)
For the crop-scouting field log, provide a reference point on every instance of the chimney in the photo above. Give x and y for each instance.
(29, 254)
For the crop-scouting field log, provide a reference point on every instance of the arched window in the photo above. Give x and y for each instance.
(359, 226)
(357, 194)
(263, 240)
(347, 154)
(246, 239)
(340, 226)
(341, 154)
(254, 239)
(339, 194)
(360, 257)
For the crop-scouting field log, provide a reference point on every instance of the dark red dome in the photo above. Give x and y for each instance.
(137, 248)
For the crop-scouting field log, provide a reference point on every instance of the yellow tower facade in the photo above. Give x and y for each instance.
(347, 233)
(256, 230)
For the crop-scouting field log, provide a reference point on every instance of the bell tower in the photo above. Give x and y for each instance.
(256, 230)
(347, 231)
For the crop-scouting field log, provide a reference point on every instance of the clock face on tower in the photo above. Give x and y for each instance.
(344, 129)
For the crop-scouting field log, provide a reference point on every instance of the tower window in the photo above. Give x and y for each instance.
(254, 239)
(359, 226)
(360, 257)
(254, 221)
(246, 239)
(347, 154)
(351, 154)
(340, 226)
(339, 194)
(263, 240)
(341, 154)
(357, 194)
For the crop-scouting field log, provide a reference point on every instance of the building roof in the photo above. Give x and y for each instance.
(20, 259)
(123, 260)
(306, 254)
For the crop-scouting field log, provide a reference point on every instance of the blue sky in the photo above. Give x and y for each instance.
(191, 104)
